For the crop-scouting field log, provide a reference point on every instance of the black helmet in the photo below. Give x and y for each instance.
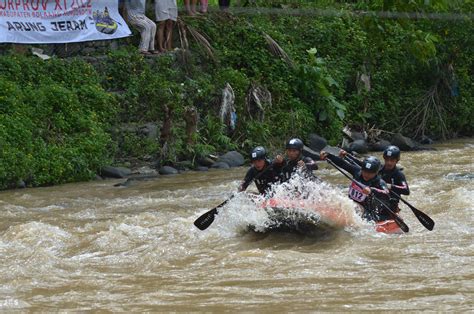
(371, 164)
(295, 143)
(392, 152)
(258, 153)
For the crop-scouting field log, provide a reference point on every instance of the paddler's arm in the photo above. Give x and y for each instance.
(400, 185)
(381, 189)
(345, 155)
(351, 168)
(278, 163)
(247, 180)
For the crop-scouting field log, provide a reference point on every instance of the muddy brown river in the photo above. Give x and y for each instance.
(94, 246)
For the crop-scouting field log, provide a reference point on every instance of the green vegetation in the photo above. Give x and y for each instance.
(53, 121)
(61, 120)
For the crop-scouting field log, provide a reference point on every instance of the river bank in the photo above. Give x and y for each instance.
(263, 82)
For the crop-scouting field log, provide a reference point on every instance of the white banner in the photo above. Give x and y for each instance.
(60, 21)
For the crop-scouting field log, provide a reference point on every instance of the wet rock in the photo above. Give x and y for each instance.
(115, 172)
(403, 142)
(220, 165)
(358, 146)
(205, 161)
(167, 170)
(129, 181)
(379, 146)
(202, 168)
(308, 152)
(332, 150)
(232, 158)
(125, 183)
(21, 184)
(316, 142)
(425, 140)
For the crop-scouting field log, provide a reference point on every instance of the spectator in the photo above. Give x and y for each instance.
(204, 5)
(166, 12)
(190, 6)
(136, 16)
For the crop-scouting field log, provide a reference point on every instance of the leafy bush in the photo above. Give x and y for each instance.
(52, 122)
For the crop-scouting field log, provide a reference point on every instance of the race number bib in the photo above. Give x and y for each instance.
(355, 193)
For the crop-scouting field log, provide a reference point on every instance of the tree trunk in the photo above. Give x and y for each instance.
(191, 118)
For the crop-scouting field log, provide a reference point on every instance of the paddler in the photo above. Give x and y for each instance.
(371, 184)
(261, 172)
(390, 173)
(294, 161)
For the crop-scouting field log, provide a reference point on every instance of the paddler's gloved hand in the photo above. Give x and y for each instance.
(342, 153)
(278, 159)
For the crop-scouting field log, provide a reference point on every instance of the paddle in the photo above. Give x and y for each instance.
(423, 218)
(206, 219)
(395, 217)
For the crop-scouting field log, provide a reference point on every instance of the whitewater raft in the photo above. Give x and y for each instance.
(306, 217)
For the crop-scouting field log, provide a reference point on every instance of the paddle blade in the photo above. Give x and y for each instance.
(206, 219)
(423, 218)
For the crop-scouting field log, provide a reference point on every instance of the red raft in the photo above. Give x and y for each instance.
(388, 226)
(304, 216)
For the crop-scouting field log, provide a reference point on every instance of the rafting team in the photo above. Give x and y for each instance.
(376, 187)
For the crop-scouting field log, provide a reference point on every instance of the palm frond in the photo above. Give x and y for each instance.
(202, 42)
(276, 49)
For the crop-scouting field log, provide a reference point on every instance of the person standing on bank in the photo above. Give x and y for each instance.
(166, 12)
(261, 172)
(147, 28)
(190, 6)
(204, 4)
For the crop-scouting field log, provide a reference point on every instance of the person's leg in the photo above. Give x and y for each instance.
(138, 21)
(152, 30)
(161, 36)
(204, 5)
(169, 35)
(188, 7)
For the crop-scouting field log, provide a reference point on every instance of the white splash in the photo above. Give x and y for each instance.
(301, 196)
